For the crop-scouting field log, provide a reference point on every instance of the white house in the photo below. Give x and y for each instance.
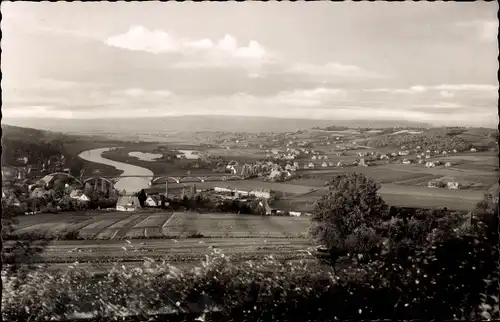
(406, 161)
(324, 165)
(430, 164)
(314, 157)
(150, 202)
(453, 185)
(84, 198)
(128, 203)
(311, 165)
(406, 152)
(473, 150)
(447, 164)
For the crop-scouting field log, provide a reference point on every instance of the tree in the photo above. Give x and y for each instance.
(59, 189)
(66, 203)
(347, 217)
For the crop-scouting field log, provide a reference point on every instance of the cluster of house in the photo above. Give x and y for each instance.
(277, 154)
(27, 194)
(443, 184)
(264, 168)
(26, 170)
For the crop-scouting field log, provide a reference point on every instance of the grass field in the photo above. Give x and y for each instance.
(398, 195)
(164, 225)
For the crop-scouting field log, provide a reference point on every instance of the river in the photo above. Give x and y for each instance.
(129, 184)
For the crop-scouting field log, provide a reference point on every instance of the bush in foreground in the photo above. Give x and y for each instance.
(266, 290)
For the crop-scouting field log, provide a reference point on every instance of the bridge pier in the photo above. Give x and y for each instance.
(177, 179)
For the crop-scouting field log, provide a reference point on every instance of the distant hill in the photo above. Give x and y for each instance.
(203, 123)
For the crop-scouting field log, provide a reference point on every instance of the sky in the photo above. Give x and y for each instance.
(417, 61)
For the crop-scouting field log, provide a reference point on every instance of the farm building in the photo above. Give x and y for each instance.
(266, 208)
(261, 193)
(436, 184)
(453, 185)
(447, 164)
(128, 203)
(430, 164)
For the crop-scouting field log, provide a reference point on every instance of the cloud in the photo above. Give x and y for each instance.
(486, 30)
(467, 87)
(441, 105)
(446, 94)
(330, 69)
(309, 97)
(445, 90)
(410, 90)
(196, 53)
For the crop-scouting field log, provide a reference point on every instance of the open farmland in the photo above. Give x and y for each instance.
(230, 225)
(398, 195)
(380, 174)
(97, 255)
(164, 225)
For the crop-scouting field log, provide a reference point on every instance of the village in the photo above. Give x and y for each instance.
(48, 185)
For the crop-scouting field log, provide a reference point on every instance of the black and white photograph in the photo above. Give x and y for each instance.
(250, 161)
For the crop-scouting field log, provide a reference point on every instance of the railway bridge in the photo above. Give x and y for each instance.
(171, 178)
